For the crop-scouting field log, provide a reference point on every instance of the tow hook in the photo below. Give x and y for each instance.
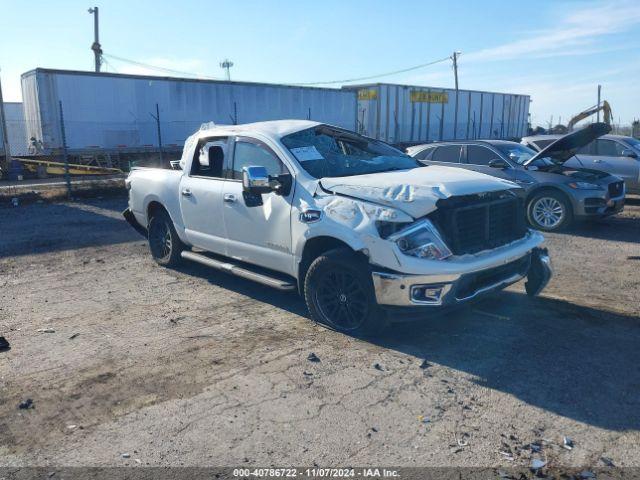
(539, 272)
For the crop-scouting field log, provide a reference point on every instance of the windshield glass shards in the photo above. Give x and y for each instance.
(325, 151)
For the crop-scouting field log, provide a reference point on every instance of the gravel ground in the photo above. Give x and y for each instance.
(194, 367)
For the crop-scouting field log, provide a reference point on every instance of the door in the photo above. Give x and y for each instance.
(607, 155)
(201, 196)
(478, 158)
(445, 155)
(258, 228)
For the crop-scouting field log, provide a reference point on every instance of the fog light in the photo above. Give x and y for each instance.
(430, 294)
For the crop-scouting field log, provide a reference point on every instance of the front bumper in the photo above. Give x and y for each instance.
(402, 290)
(589, 203)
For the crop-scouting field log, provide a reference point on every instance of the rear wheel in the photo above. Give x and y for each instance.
(549, 211)
(164, 244)
(339, 293)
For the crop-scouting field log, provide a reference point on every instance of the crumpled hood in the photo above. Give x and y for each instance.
(415, 191)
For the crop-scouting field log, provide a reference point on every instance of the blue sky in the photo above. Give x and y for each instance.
(555, 51)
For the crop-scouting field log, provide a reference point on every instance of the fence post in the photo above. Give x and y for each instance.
(159, 133)
(67, 179)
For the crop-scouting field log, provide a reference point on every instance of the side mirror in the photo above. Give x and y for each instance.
(255, 180)
(627, 152)
(498, 163)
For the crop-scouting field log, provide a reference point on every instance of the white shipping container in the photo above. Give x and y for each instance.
(413, 114)
(113, 111)
(16, 128)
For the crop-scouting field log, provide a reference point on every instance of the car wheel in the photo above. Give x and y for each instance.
(164, 244)
(338, 291)
(549, 211)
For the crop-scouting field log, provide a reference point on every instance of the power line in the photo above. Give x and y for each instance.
(371, 77)
(155, 67)
(328, 82)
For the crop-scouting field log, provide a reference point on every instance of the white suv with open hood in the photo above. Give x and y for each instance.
(364, 232)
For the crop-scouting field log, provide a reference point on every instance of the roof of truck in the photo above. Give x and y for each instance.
(273, 128)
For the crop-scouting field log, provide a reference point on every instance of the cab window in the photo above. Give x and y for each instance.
(255, 154)
(208, 160)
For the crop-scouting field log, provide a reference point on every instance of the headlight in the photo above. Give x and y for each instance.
(421, 240)
(585, 186)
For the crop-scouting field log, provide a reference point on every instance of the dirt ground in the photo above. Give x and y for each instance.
(195, 367)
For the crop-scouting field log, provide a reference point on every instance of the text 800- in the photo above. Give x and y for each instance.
(265, 472)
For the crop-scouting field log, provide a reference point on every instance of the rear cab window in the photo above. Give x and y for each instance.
(209, 157)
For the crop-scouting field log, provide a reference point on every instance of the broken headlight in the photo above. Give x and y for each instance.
(421, 240)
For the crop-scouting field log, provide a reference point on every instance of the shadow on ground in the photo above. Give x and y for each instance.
(578, 362)
(42, 228)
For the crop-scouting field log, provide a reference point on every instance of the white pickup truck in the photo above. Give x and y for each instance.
(365, 233)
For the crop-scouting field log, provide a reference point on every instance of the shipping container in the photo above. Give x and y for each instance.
(16, 128)
(117, 112)
(405, 114)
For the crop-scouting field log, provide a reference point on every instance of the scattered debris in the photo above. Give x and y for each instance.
(15, 202)
(537, 464)
(607, 461)
(377, 366)
(26, 404)
(71, 427)
(567, 443)
(4, 345)
(313, 358)
(307, 374)
(126, 455)
(535, 447)
(587, 474)
(46, 330)
(461, 443)
(424, 365)
(423, 419)
(138, 461)
(73, 336)
(374, 429)
(506, 455)
(503, 474)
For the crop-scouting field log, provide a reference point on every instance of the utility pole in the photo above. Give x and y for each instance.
(96, 47)
(455, 67)
(455, 75)
(227, 64)
(5, 137)
(598, 112)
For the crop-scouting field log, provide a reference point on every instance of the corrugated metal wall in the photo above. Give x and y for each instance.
(16, 128)
(404, 113)
(113, 111)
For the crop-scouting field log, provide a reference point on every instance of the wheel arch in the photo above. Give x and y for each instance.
(316, 246)
(549, 188)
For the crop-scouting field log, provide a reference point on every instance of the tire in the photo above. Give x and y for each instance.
(549, 211)
(338, 291)
(164, 244)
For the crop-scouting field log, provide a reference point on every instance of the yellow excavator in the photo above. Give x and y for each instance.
(604, 106)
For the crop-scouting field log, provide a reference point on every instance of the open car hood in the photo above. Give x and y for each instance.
(415, 191)
(566, 147)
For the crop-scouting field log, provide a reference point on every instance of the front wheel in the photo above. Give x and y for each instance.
(338, 291)
(164, 243)
(549, 211)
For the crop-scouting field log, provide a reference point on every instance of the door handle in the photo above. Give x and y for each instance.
(597, 161)
(186, 192)
(229, 198)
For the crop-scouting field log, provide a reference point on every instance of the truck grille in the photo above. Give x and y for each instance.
(615, 189)
(474, 223)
